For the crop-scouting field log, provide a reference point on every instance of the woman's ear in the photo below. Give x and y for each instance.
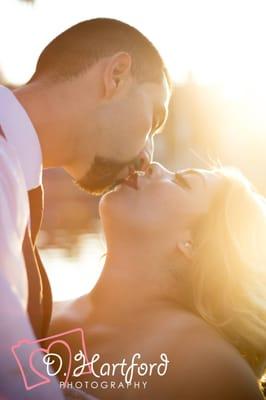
(185, 244)
(117, 71)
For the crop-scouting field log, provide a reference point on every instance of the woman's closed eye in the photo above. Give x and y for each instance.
(156, 124)
(181, 181)
(158, 120)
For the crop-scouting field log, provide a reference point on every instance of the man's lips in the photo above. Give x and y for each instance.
(129, 175)
(132, 180)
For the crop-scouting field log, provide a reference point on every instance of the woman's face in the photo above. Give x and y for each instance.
(157, 208)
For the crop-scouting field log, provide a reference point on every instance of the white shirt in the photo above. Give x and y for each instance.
(20, 133)
(20, 170)
(14, 216)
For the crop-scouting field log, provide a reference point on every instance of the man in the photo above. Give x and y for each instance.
(99, 93)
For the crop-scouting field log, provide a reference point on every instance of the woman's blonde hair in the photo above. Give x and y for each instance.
(228, 275)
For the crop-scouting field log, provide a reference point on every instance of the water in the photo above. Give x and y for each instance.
(71, 277)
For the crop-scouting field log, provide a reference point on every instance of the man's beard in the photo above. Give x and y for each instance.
(102, 176)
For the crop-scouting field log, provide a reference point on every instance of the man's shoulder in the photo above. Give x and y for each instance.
(9, 160)
(12, 184)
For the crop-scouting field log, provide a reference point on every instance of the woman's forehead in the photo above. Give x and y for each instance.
(213, 181)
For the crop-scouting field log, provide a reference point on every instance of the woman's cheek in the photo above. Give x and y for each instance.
(154, 212)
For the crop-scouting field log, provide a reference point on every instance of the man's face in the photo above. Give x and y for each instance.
(125, 126)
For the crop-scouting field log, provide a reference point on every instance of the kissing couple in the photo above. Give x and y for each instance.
(184, 275)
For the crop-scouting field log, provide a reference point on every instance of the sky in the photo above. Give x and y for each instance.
(219, 42)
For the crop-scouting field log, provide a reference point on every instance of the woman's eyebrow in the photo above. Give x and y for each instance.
(195, 172)
(181, 181)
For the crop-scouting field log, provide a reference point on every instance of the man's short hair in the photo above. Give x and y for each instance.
(79, 47)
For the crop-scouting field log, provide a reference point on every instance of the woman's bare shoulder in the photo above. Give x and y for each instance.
(185, 333)
(203, 362)
(67, 314)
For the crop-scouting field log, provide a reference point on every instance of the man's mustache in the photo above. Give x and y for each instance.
(102, 176)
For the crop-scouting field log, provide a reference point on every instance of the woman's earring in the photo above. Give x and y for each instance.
(186, 248)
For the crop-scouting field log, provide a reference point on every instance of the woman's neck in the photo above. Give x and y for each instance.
(127, 288)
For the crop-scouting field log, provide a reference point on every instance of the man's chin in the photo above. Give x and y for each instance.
(103, 176)
(98, 190)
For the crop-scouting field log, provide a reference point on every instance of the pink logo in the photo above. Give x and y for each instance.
(35, 358)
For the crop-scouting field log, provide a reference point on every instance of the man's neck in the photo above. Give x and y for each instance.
(50, 122)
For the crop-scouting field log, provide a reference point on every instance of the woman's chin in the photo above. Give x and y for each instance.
(119, 190)
(109, 202)
(111, 193)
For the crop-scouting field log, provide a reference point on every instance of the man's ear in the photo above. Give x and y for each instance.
(117, 71)
(185, 244)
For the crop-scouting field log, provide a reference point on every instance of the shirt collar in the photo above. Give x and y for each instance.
(21, 134)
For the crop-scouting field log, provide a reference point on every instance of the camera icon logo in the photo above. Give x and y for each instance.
(36, 359)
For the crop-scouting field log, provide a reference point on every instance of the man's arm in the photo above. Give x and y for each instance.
(15, 328)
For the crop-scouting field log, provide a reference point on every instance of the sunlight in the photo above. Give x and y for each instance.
(218, 42)
(67, 274)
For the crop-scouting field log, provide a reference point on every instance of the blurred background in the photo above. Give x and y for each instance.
(215, 52)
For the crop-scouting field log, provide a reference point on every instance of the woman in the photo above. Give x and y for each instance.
(183, 287)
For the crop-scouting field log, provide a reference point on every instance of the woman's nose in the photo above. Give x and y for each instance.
(143, 161)
(156, 170)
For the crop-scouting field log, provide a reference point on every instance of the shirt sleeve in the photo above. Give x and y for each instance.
(18, 380)
(14, 216)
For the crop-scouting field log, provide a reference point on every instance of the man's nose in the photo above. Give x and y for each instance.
(143, 161)
(145, 157)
